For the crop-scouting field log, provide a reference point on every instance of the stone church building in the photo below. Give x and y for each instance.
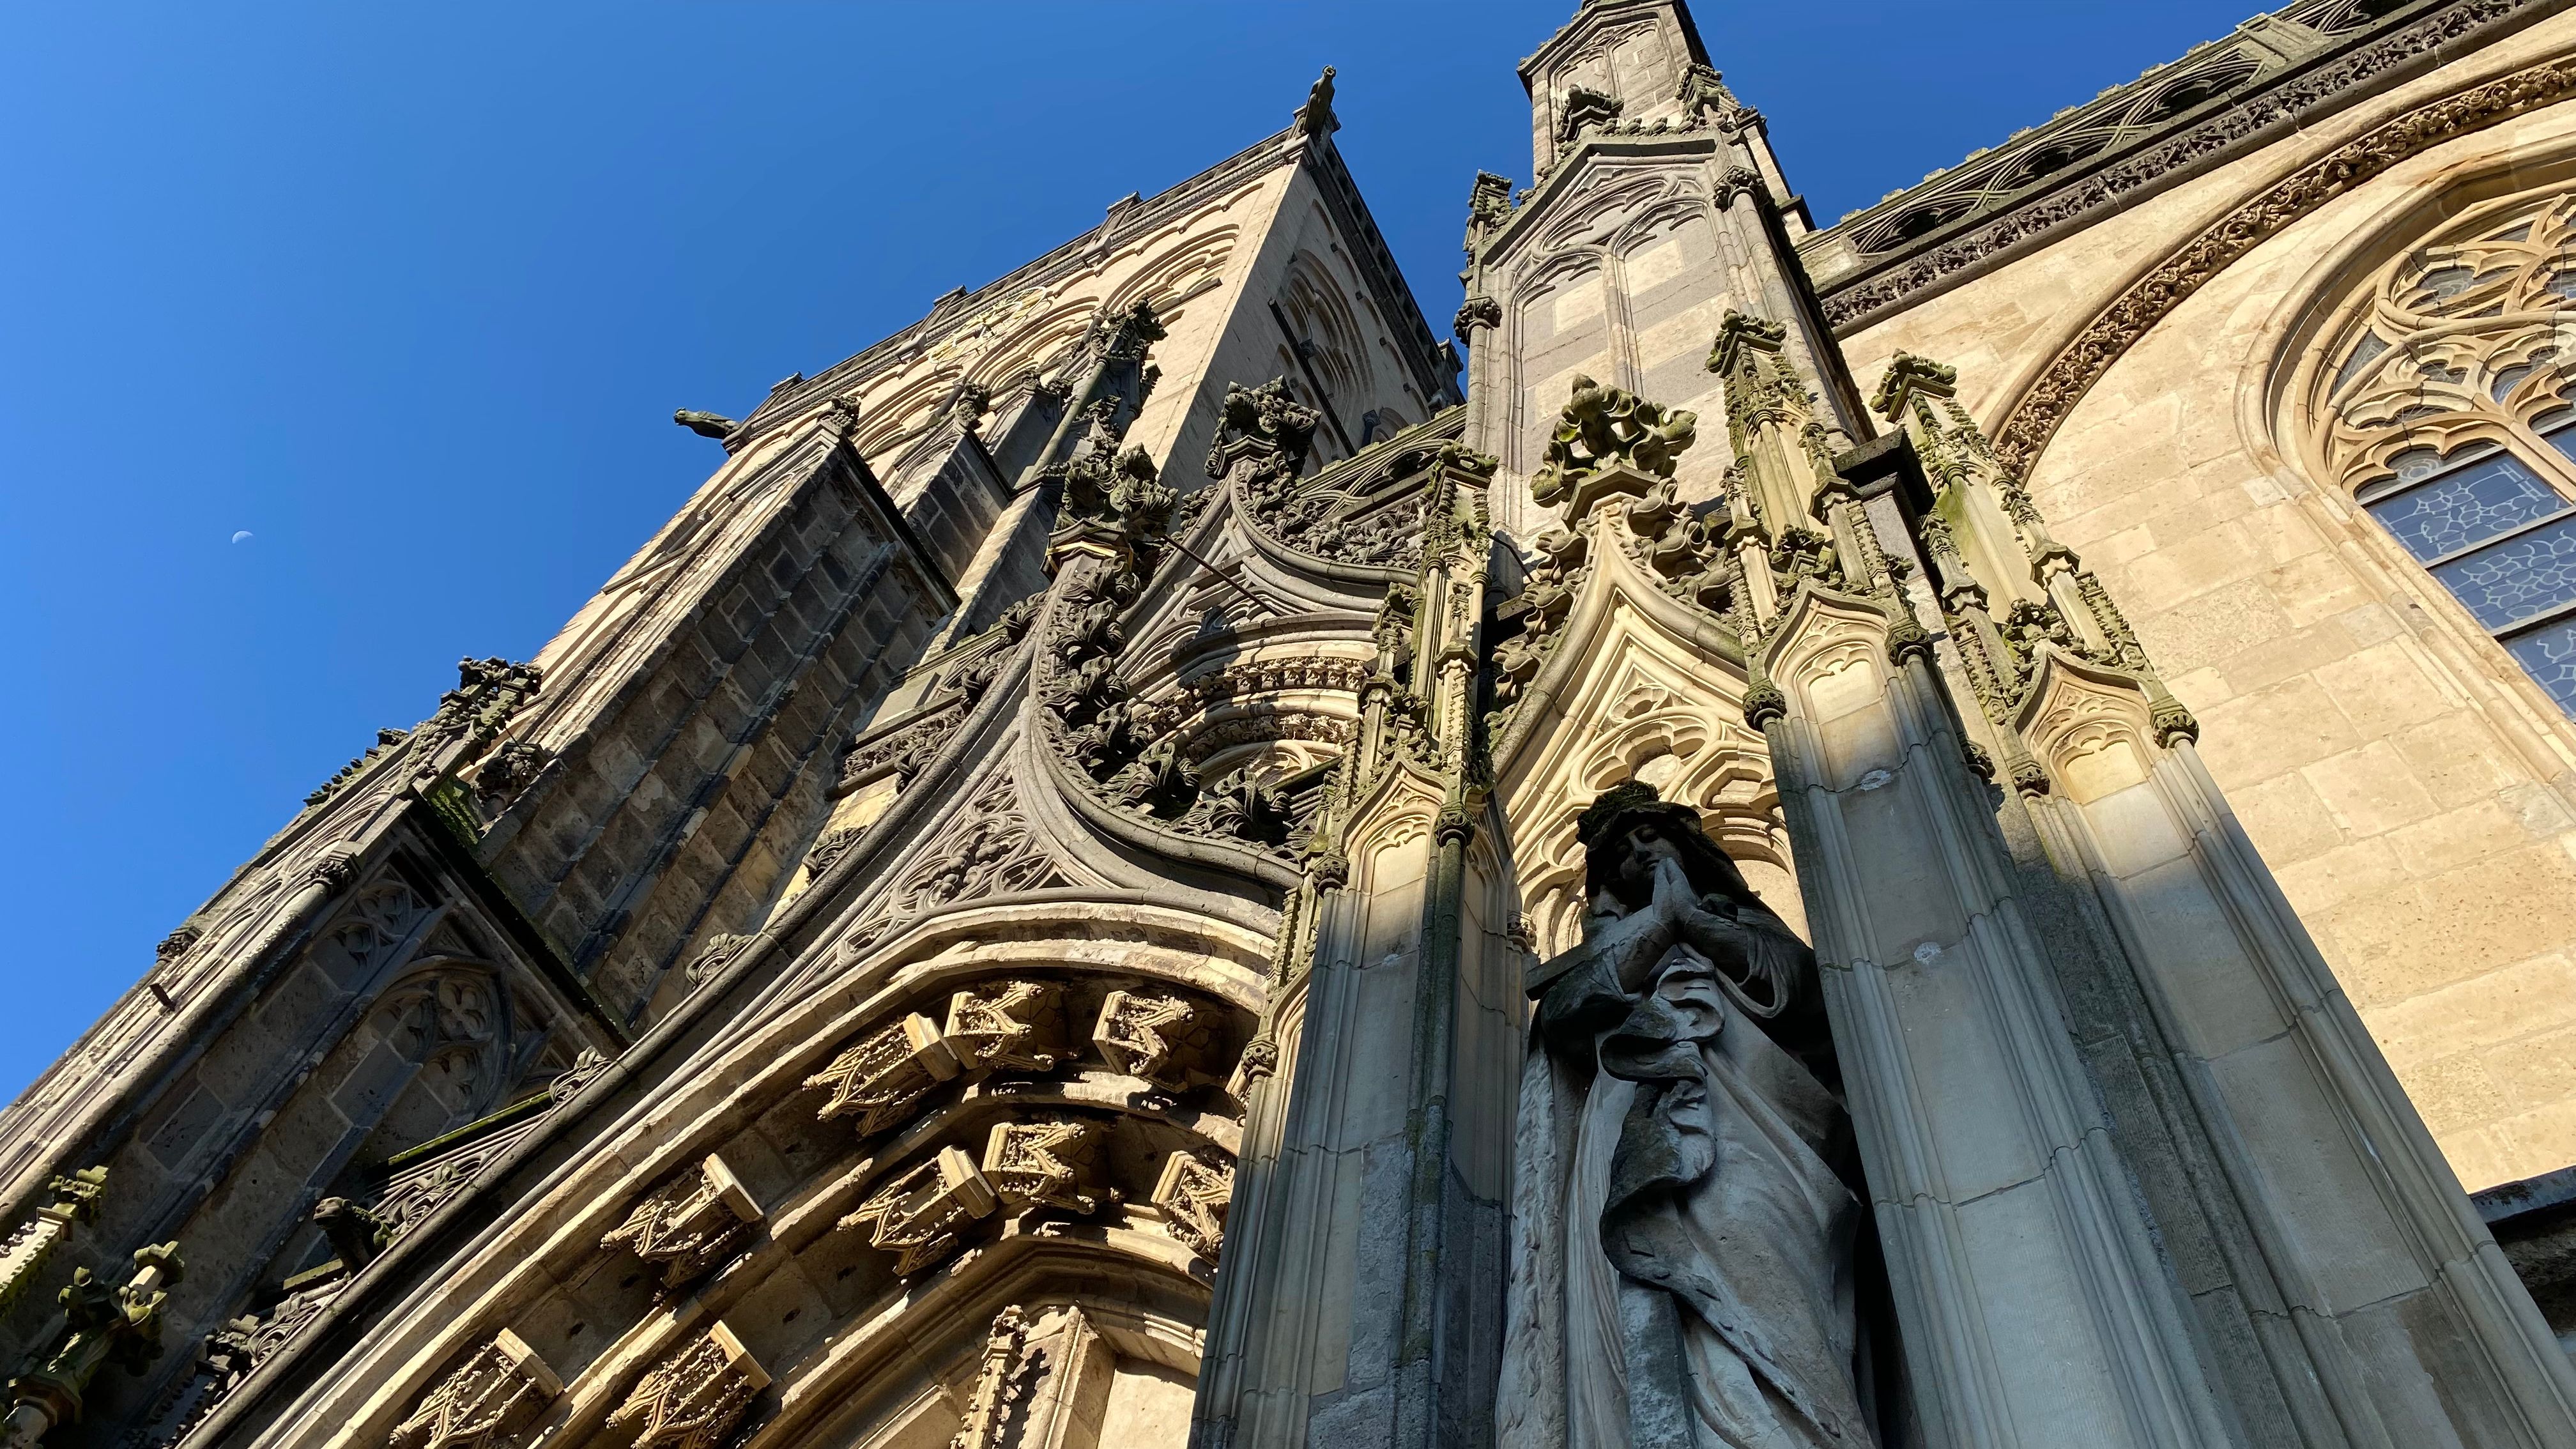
(1955, 829)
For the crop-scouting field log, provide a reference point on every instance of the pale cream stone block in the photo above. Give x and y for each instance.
(2287, 819)
(2528, 1145)
(1577, 304)
(2456, 839)
(2273, 731)
(2476, 1015)
(2370, 790)
(2301, 651)
(2314, 588)
(1687, 334)
(2458, 757)
(2448, 928)
(2201, 689)
(2383, 689)
(2209, 627)
(2485, 1157)
(1655, 265)
(2191, 565)
(2320, 883)
(2127, 544)
(1149, 1407)
(2371, 623)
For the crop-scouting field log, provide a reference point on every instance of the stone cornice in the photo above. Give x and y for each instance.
(2299, 77)
(2035, 414)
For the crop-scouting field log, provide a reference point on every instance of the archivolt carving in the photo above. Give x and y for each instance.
(1153, 1035)
(992, 851)
(1043, 1163)
(918, 1216)
(880, 1079)
(691, 1226)
(1193, 1192)
(694, 1399)
(2035, 416)
(491, 1396)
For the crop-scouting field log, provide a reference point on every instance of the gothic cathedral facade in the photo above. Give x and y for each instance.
(1951, 830)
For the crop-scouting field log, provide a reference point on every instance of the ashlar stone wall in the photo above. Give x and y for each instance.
(2408, 785)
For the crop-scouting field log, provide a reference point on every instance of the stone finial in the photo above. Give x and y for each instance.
(997, 1388)
(1264, 426)
(490, 1397)
(694, 1399)
(1605, 427)
(23, 1257)
(102, 1325)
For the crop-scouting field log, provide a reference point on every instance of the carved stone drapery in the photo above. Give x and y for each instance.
(691, 1225)
(489, 1398)
(695, 1399)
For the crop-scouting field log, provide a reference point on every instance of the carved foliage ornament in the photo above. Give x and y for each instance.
(1607, 426)
(695, 1399)
(1193, 1192)
(691, 1225)
(989, 852)
(494, 1394)
(1848, 307)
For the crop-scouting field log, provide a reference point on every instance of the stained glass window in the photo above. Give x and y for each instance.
(2467, 506)
(2549, 652)
(2522, 578)
(2502, 540)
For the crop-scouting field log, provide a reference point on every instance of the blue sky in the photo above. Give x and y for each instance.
(409, 294)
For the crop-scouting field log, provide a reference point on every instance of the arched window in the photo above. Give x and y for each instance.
(2448, 414)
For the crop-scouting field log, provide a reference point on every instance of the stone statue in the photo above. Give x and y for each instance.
(1686, 1195)
(706, 425)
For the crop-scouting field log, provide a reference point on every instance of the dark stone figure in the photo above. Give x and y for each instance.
(1683, 1263)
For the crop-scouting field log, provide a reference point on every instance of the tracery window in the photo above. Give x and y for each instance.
(2447, 412)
